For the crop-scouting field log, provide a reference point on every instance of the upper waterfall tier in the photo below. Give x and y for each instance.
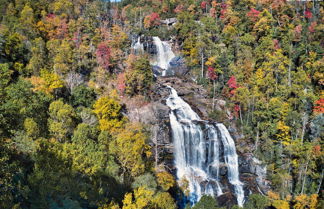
(138, 46)
(197, 146)
(164, 53)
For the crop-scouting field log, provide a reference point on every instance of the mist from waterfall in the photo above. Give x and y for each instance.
(164, 54)
(197, 145)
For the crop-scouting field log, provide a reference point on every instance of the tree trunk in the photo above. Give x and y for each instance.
(156, 152)
(253, 106)
(202, 64)
(305, 119)
(289, 68)
(257, 138)
(140, 18)
(214, 89)
(305, 176)
(320, 183)
(248, 113)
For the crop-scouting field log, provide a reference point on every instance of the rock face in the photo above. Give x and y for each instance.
(157, 71)
(169, 21)
(193, 94)
(177, 67)
(156, 116)
(253, 174)
(147, 42)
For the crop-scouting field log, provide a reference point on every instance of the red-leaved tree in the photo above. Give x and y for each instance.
(152, 20)
(311, 28)
(253, 14)
(103, 54)
(223, 10)
(179, 8)
(203, 5)
(121, 85)
(298, 29)
(211, 73)
(308, 14)
(319, 106)
(213, 12)
(237, 109)
(232, 84)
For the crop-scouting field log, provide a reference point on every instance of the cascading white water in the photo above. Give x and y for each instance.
(138, 47)
(231, 161)
(196, 149)
(164, 54)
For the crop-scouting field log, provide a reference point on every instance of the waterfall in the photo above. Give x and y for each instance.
(164, 54)
(231, 161)
(197, 145)
(138, 46)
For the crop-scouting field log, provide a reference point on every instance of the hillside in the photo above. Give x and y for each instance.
(161, 104)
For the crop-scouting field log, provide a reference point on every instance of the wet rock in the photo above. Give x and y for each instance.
(178, 66)
(195, 95)
(157, 71)
(227, 199)
(253, 174)
(148, 45)
(223, 170)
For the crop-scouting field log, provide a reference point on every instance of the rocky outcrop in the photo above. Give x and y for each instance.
(177, 67)
(254, 174)
(169, 21)
(147, 42)
(192, 93)
(157, 71)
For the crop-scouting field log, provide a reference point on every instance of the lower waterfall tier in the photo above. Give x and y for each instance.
(197, 152)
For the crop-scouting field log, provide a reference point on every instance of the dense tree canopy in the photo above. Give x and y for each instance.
(66, 70)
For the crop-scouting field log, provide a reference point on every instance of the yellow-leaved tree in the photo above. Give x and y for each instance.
(130, 147)
(165, 179)
(47, 82)
(146, 198)
(283, 133)
(108, 111)
(277, 202)
(303, 201)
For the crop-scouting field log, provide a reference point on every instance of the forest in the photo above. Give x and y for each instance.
(69, 78)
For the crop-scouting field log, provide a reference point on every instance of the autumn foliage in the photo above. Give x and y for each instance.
(211, 73)
(203, 5)
(121, 85)
(152, 20)
(103, 54)
(253, 14)
(308, 14)
(71, 89)
(319, 106)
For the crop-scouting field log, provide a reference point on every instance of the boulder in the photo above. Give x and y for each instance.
(227, 199)
(157, 71)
